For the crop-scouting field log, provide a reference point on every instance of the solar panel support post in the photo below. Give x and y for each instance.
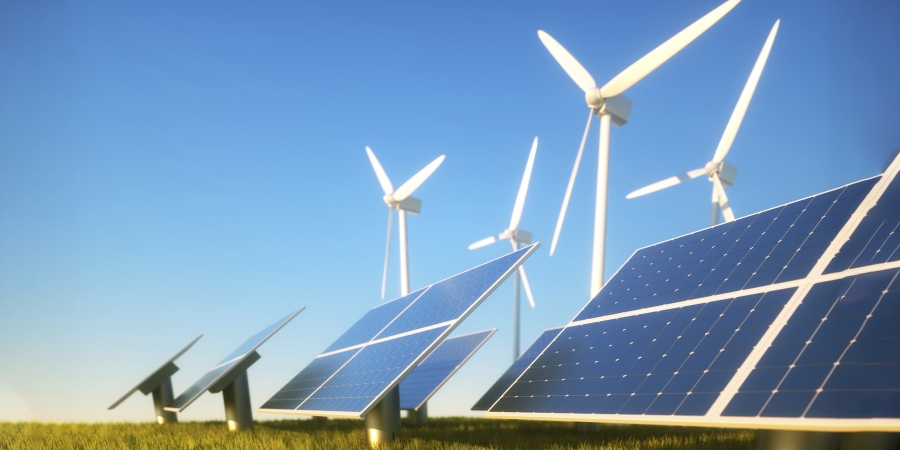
(383, 421)
(418, 416)
(236, 396)
(796, 440)
(586, 427)
(163, 395)
(870, 441)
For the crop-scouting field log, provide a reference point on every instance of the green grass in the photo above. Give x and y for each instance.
(440, 433)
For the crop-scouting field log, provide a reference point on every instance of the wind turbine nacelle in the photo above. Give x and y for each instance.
(727, 174)
(618, 107)
(411, 205)
(522, 237)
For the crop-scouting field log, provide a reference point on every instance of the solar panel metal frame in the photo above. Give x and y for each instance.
(803, 285)
(528, 251)
(154, 374)
(489, 332)
(236, 364)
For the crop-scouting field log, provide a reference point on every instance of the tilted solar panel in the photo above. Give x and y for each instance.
(814, 344)
(245, 352)
(375, 354)
(425, 380)
(517, 368)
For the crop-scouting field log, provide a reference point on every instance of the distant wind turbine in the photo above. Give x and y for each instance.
(612, 107)
(720, 173)
(402, 201)
(516, 237)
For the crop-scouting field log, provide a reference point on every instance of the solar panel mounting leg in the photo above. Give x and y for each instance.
(587, 427)
(796, 440)
(870, 441)
(419, 416)
(383, 421)
(162, 396)
(237, 404)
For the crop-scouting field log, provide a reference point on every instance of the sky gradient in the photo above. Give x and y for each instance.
(168, 170)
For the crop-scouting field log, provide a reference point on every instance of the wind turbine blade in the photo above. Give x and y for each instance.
(523, 188)
(387, 252)
(486, 241)
(734, 123)
(379, 172)
(565, 205)
(668, 182)
(576, 71)
(413, 183)
(661, 54)
(723, 200)
(526, 286)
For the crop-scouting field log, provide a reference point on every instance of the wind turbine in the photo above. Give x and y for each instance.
(720, 173)
(402, 201)
(516, 237)
(612, 107)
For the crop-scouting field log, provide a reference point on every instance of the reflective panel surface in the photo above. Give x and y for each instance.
(417, 387)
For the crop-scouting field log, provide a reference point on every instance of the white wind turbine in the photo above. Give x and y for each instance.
(403, 203)
(720, 173)
(516, 237)
(612, 107)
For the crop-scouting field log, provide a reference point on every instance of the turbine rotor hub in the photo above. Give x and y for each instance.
(594, 100)
(389, 200)
(712, 168)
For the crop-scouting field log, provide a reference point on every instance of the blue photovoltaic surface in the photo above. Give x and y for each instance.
(675, 361)
(307, 381)
(367, 374)
(506, 380)
(838, 356)
(781, 244)
(374, 321)
(448, 299)
(417, 387)
(392, 338)
(876, 239)
(226, 364)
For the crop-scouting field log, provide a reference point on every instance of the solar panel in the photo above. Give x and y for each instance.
(518, 367)
(351, 377)
(166, 370)
(425, 380)
(785, 319)
(240, 358)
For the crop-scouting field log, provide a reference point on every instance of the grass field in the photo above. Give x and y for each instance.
(440, 433)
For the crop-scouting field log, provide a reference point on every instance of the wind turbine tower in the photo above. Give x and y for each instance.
(517, 237)
(402, 201)
(614, 108)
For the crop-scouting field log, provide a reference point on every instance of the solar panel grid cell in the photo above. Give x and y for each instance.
(308, 380)
(876, 239)
(365, 376)
(417, 387)
(366, 328)
(837, 356)
(774, 246)
(449, 299)
(514, 371)
(674, 361)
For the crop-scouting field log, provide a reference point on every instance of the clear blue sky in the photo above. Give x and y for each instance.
(169, 169)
